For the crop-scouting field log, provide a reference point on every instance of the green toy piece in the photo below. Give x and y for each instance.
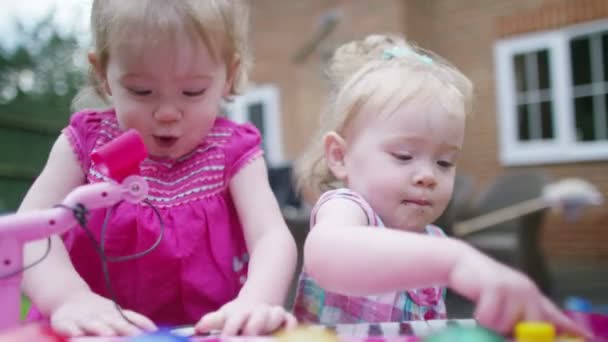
(468, 334)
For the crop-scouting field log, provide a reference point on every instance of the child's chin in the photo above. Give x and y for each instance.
(163, 155)
(415, 221)
(416, 227)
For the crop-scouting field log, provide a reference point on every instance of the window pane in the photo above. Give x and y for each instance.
(546, 112)
(581, 61)
(523, 120)
(544, 77)
(256, 117)
(519, 64)
(605, 55)
(606, 110)
(584, 118)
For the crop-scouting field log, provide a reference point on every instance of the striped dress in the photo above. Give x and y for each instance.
(314, 305)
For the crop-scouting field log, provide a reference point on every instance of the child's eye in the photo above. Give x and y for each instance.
(194, 93)
(401, 156)
(139, 92)
(445, 164)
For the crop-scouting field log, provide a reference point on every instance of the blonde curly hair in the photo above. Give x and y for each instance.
(382, 72)
(222, 25)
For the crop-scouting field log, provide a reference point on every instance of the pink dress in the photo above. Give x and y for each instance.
(202, 260)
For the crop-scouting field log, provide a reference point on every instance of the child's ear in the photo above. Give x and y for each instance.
(231, 72)
(100, 72)
(335, 149)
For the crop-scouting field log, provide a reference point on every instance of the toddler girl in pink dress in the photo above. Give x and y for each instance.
(226, 257)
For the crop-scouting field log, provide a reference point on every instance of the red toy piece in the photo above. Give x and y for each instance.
(32, 332)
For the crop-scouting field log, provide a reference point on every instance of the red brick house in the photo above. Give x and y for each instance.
(540, 68)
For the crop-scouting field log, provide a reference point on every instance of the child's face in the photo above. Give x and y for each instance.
(403, 163)
(170, 95)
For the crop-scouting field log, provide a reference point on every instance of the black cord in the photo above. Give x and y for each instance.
(139, 254)
(81, 214)
(105, 259)
(27, 267)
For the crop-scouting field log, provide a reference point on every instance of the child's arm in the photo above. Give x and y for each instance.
(271, 246)
(272, 257)
(54, 286)
(54, 278)
(344, 255)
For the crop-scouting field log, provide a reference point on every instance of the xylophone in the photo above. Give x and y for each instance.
(394, 329)
(366, 330)
(390, 331)
(415, 331)
(360, 331)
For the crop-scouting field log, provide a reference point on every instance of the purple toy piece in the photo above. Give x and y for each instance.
(594, 322)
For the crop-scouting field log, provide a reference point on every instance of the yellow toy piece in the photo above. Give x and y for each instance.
(307, 334)
(534, 332)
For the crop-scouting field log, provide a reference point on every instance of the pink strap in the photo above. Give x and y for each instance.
(348, 194)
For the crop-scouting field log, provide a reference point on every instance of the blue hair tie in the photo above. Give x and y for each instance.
(400, 51)
(394, 52)
(425, 59)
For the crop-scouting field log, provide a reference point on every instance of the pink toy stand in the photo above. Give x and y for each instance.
(119, 160)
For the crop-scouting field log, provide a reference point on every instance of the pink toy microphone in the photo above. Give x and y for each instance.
(119, 160)
(121, 157)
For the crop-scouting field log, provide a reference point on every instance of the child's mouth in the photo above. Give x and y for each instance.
(418, 202)
(165, 141)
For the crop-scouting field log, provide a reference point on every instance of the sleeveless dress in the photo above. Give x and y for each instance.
(314, 305)
(201, 262)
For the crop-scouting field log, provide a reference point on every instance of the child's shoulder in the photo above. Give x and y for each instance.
(91, 120)
(89, 115)
(87, 129)
(434, 230)
(224, 127)
(232, 136)
(349, 195)
(239, 142)
(342, 193)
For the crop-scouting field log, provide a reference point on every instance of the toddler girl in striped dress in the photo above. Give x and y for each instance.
(382, 168)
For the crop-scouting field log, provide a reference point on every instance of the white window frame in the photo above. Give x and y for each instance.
(269, 97)
(564, 147)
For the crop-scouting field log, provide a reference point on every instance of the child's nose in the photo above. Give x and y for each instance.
(167, 113)
(425, 177)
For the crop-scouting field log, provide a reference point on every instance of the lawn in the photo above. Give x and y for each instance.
(25, 306)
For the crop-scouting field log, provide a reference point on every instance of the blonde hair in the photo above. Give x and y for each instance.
(381, 71)
(222, 25)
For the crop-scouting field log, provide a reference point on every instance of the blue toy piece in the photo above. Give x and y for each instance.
(159, 336)
(578, 304)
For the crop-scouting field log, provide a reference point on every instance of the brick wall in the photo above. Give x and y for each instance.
(551, 15)
(281, 28)
(464, 32)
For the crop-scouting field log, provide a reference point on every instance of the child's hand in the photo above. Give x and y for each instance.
(87, 313)
(247, 318)
(504, 296)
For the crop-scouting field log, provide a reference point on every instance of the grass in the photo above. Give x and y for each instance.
(25, 306)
